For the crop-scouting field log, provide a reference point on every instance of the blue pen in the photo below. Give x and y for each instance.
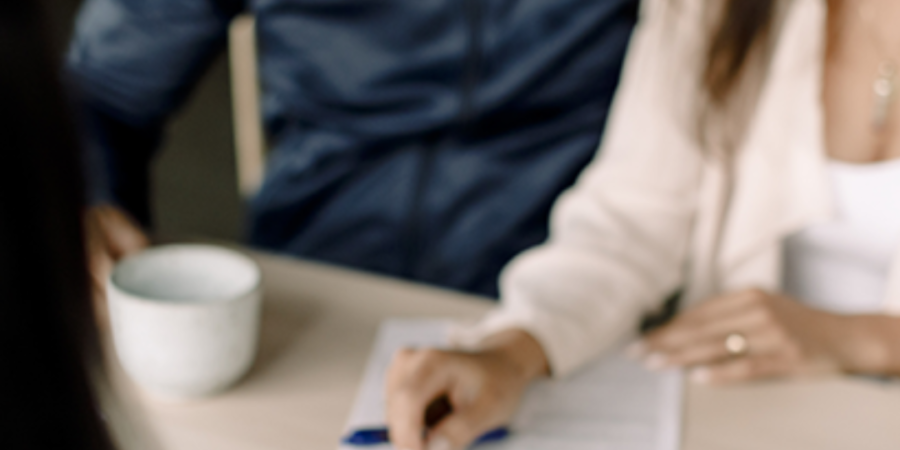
(377, 436)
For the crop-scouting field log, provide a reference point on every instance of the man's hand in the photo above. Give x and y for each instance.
(483, 388)
(111, 236)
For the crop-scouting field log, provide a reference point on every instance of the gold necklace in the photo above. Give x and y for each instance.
(884, 88)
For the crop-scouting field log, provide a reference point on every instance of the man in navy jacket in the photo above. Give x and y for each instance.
(425, 139)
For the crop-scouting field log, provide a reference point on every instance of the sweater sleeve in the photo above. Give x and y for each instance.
(619, 237)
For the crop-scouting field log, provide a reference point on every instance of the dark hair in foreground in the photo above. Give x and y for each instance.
(742, 26)
(47, 336)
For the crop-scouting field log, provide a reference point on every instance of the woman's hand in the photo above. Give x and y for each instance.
(747, 335)
(483, 388)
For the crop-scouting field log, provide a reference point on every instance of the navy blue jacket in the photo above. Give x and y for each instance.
(425, 139)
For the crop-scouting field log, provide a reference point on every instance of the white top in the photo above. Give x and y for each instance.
(843, 265)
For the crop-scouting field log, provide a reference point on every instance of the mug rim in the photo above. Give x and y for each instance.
(129, 294)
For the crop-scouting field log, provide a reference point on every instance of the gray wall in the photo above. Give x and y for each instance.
(195, 181)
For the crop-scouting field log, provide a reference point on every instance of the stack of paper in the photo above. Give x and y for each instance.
(612, 404)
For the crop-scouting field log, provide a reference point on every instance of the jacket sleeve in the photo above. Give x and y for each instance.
(619, 237)
(131, 64)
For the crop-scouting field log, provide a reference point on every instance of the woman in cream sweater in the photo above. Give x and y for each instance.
(750, 164)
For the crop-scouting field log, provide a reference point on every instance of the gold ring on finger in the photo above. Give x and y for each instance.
(736, 344)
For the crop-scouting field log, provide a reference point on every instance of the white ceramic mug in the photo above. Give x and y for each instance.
(185, 318)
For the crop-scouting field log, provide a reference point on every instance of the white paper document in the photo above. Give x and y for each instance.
(612, 404)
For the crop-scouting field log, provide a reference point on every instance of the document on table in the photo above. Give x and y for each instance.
(613, 403)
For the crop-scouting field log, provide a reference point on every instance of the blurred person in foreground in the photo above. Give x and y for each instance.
(54, 391)
(751, 163)
(425, 139)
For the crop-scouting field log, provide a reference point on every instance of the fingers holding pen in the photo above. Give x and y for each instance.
(478, 403)
(435, 401)
(457, 431)
(414, 380)
(481, 391)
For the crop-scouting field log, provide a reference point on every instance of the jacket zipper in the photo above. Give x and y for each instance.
(414, 229)
(473, 63)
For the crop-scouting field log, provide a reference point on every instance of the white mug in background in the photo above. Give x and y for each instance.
(185, 318)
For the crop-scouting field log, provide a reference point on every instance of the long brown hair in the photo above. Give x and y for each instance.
(742, 26)
(48, 342)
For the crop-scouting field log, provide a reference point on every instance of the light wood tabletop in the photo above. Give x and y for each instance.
(319, 323)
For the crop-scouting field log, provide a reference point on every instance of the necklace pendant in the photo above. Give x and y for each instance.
(885, 91)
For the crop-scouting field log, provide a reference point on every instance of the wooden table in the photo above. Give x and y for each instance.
(319, 323)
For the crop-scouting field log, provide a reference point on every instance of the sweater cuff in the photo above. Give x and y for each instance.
(566, 351)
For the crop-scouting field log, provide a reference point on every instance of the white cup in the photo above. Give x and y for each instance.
(185, 318)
